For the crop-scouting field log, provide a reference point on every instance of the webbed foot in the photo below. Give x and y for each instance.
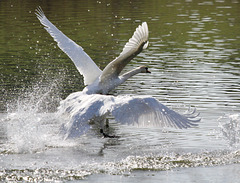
(107, 136)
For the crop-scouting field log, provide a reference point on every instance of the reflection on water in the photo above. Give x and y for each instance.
(194, 59)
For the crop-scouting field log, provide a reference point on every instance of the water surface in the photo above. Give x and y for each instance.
(194, 59)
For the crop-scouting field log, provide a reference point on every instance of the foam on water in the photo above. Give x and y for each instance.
(230, 129)
(167, 161)
(30, 124)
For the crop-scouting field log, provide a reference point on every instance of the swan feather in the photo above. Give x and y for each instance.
(141, 111)
(82, 61)
(132, 48)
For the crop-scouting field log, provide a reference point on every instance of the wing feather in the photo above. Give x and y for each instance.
(82, 61)
(138, 111)
(132, 48)
(147, 111)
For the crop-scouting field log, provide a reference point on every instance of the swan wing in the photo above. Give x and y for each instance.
(132, 48)
(82, 61)
(77, 110)
(147, 111)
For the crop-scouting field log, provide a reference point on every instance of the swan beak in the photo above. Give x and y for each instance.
(147, 71)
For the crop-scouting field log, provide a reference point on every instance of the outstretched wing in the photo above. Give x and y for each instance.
(79, 109)
(133, 47)
(147, 111)
(82, 61)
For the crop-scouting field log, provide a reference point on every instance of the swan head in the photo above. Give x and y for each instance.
(144, 69)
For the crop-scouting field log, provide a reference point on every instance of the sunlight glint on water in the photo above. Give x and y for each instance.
(194, 59)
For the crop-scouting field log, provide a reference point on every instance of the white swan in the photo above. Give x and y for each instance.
(79, 109)
(100, 81)
(88, 105)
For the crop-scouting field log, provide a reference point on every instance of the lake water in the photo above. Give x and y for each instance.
(194, 58)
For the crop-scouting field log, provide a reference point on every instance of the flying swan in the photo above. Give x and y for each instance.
(92, 104)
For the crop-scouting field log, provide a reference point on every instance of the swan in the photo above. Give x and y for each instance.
(92, 104)
(98, 81)
(80, 109)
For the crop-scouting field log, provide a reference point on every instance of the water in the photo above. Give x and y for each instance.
(194, 59)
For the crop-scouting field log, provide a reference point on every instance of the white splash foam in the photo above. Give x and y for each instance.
(230, 129)
(30, 127)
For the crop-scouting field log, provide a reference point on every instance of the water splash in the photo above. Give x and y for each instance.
(230, 130)
(163, 162)
(31, 123)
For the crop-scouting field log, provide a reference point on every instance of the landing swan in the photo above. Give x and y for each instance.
(82, 107)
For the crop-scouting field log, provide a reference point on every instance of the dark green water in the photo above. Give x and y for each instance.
(206, 33)
(194, 57)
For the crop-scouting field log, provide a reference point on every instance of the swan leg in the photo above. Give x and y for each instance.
(107, 123)
(105, 135)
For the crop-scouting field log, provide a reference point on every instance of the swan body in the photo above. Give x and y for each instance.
(103, 87)
(82, 107)
(99, 81)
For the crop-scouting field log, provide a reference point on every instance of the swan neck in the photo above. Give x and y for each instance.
(130, 73)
